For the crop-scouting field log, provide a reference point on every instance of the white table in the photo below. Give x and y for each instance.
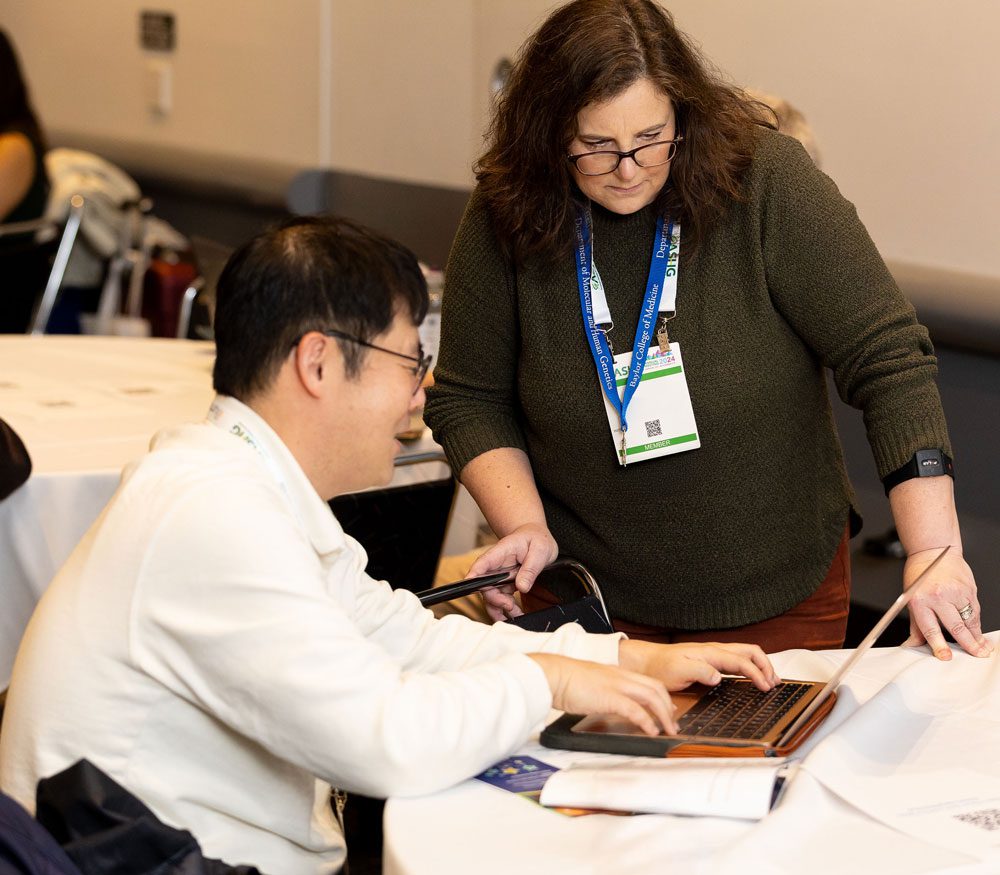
(901, 716)
(85, 407)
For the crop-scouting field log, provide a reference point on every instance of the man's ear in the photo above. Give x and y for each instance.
(313, 362)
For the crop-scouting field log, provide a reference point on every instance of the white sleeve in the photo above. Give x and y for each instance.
(235, 612)
(411, 633)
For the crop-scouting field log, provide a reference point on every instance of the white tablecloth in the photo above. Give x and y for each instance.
(84, 407)
(902, 717)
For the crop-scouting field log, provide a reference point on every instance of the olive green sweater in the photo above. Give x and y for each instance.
(788, 283)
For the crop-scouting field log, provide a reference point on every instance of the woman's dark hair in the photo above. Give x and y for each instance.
(590, 51)
(15, 105)
(308, 273)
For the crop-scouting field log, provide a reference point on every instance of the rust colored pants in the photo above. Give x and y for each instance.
(818, 623)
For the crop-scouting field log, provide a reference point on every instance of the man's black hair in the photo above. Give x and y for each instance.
(308, 273)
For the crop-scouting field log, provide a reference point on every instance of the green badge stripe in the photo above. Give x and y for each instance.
(651, 375)
(666, 442)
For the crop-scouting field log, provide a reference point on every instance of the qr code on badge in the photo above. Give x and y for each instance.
(988, 819)
(653, 428)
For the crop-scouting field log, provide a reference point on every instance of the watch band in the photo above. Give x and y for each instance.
(924, 463)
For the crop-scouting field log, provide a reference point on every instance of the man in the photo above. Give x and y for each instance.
(214, 643)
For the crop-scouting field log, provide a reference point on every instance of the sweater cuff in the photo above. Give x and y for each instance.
(464, 443)
(894, 448)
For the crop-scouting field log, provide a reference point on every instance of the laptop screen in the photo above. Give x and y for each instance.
(894, 610)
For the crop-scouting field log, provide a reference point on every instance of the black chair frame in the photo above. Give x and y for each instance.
(560, 578)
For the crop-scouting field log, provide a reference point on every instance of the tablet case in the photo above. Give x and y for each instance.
(559, 734)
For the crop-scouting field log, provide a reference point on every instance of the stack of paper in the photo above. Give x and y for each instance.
(744, 789)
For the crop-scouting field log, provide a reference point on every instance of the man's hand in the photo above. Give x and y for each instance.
(938, 601)
(532, 547)
(680, 665)
(581, 687)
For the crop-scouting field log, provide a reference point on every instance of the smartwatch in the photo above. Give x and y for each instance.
(924, 463)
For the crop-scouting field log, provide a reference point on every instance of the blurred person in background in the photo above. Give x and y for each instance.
(24, 188)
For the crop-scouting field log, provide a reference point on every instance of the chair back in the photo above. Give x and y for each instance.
(53, 285)
(26, 253)
(402, 527)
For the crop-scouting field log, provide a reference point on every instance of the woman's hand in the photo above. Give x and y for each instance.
(532, 547)
(680, 665)
(924, 510)
(581, 687)
(938, 602)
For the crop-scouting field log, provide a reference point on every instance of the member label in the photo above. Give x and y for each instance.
(661, 418)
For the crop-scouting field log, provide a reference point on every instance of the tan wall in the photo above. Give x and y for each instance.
(900, 92)
(245, 74)
(403, 93)
(902, 95)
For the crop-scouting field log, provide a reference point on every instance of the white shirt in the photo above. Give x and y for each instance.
(215, 646)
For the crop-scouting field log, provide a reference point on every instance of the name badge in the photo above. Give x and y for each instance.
(661, 418)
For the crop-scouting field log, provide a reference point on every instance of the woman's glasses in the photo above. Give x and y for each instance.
(607, 161)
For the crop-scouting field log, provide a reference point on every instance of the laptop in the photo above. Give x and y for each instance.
(733, 718)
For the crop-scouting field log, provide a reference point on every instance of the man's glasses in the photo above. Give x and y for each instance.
(421, 364)
(607, 161)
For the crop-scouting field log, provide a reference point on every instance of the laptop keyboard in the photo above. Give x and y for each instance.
(737, 709)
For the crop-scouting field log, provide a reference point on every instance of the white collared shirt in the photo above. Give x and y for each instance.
(215, 646)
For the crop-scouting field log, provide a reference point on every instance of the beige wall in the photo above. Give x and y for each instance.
(900, 92)
(902, 95)
(245, 74)
(404, 99)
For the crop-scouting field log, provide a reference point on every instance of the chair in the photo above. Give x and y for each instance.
(43, 240)
(130, 259)
(187, 307)
(402, 528)
(115, 248)
(197, 311)
(53, 284)
(565, 578)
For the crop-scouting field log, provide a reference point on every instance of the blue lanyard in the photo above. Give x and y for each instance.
(599, 348)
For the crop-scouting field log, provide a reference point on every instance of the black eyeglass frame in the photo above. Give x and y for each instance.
(675, 142)
(421, 366)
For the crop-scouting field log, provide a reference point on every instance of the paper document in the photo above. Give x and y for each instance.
(953, 808)
(920, 755)
(741, 789)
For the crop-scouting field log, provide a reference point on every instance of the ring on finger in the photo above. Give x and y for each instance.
(966, 613)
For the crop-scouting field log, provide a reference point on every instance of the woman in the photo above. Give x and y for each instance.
(24, 188)
(611, 139)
